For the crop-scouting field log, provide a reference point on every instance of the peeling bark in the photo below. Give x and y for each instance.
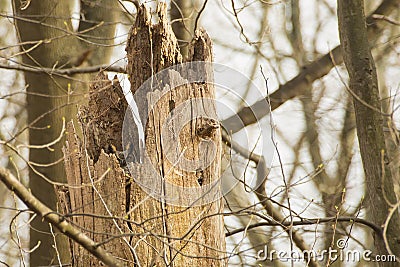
(103, 116)
(156, 233)
(95, 195)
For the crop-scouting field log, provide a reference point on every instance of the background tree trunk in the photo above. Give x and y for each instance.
(46, 28)
(363, 82)
(183, 15)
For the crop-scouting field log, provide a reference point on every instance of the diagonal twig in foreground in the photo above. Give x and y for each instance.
(58, 221)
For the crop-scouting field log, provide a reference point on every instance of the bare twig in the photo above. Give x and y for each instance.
(377, 229)
(199, 14)
(303, 81)
(55, 219)
(393, 210)
(385, 18)
(69, 71)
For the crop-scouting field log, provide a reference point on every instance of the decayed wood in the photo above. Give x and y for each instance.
(95, 199)
(102, 118)
(188, 236)
(155, 233)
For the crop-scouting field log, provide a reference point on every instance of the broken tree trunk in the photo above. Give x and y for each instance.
(160, 205)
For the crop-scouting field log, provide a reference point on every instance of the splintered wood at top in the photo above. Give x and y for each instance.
(162, 234)
(150, 49)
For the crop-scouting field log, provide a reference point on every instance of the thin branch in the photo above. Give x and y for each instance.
(69, 71)
(199, 14)
(261, 194)
(56, 220)
(377, 229)
(303, 81)
(393, 210)
(385, 18)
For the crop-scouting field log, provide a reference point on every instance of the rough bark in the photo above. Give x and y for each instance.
(194, 235)
(95, 201)
(50, 98)
(55, 219)
(98, 190)
(369, 121)
(156, 233)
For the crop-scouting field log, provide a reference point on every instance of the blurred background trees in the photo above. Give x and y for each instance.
(315, 170)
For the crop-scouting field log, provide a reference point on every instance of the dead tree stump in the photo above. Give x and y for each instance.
(141, 209)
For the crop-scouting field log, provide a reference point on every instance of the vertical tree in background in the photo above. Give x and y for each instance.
(313, 194)
(49, 41)
(380, 196)
(200, 236)
(183, 16)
